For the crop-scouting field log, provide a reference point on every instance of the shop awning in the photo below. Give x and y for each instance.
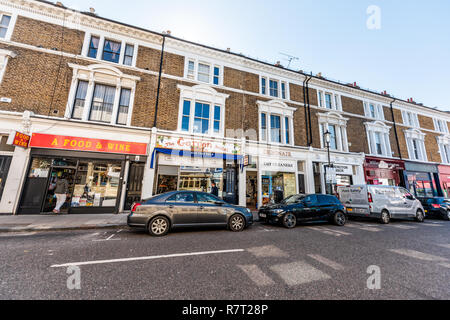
(194, 154)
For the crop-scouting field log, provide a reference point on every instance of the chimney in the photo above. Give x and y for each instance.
(319, 74)
(168, 32)
(92, 10)
(59, 4)
(228, 49)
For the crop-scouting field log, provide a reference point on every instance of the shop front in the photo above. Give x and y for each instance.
(278, 179)
(422, 180)
(385, 172)
(188, 164)
(93, 168)
(444, 177)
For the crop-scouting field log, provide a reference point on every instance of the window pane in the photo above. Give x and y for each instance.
(93, 47)
(216, 126)
(333, 142)
(273, 88)
(186, 115)
(328, 101)
(5, 21)
(185, 124)
(263, 85)
(187, 108)
(217, 113)
(263, 126)
(124, 105)
(203, 72)
(286, 126)
(128, 58)
(80, 98)
(102, 103)
(205, 111)
(275, 125)
(379, 149)
(111, 51)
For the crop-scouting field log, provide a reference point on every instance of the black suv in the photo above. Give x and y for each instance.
(436, 207)
(302, 208)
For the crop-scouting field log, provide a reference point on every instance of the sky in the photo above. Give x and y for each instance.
(405, 52)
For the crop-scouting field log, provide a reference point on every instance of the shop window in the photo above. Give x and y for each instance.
(277, 186)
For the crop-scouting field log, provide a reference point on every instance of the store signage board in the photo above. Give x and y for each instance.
(19, 139)
(169, 160)
(331, 176)
(343, 169)
(87, 144)
(197, 145)
(278, 165)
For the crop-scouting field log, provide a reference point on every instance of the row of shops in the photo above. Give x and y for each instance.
(107, 176)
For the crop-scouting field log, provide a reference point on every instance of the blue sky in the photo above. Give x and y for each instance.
(409, 56)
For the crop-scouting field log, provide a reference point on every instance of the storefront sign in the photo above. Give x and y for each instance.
(193, 145)
(278, 165)
(384, 164)
(343, 169)
(171, 160)
(19, 139)
(87, 144)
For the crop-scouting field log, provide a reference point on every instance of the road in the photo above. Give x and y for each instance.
(316, 261)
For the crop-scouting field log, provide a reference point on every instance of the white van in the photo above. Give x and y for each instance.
(381, 202)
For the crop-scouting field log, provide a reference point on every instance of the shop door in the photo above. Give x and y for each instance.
(66, 172)
(5, 162)
(134, 185)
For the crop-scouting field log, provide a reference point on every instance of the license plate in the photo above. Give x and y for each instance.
(263, 215)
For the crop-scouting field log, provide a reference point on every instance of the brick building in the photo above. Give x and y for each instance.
(124, 113)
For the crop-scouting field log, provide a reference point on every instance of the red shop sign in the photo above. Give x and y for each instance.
(19, 139)
(87, 144)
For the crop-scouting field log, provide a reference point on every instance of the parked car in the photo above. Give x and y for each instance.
(381, 202)
(436, 207)
(302, 208)
(159, 214)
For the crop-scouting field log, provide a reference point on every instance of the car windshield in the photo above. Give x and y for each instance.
(293, 199)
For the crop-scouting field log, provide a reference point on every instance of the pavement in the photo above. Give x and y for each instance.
(61, 222)
(51, 222)
(362, 261)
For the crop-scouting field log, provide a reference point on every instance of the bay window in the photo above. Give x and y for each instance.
(202, 111)
(101, 94)
(336, 125)
(275, 122)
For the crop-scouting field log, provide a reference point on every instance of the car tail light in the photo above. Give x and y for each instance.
(436, 206)
(135, 206)
(369, 196)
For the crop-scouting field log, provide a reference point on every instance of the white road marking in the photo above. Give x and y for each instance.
(297, 273)
(403, 227)
(363, 227)
(147, 258)
(109, 238)
(445, 265)
(334, 265)
(444, 245)
(328, 231)
(336, 231)
(257, 275)
(418, 255)
(268, 252)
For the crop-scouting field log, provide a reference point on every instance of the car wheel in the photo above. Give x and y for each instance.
(447, 217)
(289, 221)
(236, 223)
(420, 216)
(339, 219)
(385, 217)
(159, 226)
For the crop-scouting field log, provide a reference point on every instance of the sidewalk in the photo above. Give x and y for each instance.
(63, 222)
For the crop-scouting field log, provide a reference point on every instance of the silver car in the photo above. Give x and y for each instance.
(161, 213)
(381, 202)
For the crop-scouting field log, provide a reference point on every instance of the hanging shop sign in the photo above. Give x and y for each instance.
(19, 139)
(87, 144)
(197, 145)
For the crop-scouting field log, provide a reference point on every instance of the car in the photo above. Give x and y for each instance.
(436, 207)
(381, 202)
(304, 208)
(160, 214)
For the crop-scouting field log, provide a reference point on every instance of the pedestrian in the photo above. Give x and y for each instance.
(61, 191)
(214, 189)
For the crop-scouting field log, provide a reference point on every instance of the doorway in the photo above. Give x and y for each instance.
(61, 170)
(134, 185)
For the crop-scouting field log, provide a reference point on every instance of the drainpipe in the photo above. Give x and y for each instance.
(395, 129)
(310, 138)
(155, 122)
(306, 111)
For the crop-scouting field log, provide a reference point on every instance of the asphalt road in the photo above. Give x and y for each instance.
(318, 261)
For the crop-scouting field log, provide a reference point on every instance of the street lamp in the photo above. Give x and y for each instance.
(327, 136)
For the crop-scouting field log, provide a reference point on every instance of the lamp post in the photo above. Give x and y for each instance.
(327, 136)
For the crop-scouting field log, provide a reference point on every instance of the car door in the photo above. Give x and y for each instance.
(409, 203)
(209, 211)
(182, 208)
(325, 206)
(308, 209)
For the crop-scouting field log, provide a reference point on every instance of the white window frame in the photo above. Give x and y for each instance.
(105, 75)
(414, 118)
(211, 76)
(4, 57)
(379, 110)
(11, 25)
(333, 118)
(336, 101)
(276, 108)
(206, 95)
(443, 123)
(279, 81)
(414, 134)
(101, 45)
(444, 141)
(379, 127)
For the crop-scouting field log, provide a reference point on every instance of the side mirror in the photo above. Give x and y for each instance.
(410, 197)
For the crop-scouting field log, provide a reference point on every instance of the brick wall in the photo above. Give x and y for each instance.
(388, 114)
(432, 147)
(47, 35)
(240, 80)
(402, 142)
(150, 59)
(296, 94)
(357, 135)
(352, 105)
(426, 122)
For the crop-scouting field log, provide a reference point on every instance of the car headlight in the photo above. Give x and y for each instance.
(248, 210)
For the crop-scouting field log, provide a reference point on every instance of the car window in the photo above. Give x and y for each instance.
(206, 198)
(183, 197)
(293, 199)
(311, 198)
(324, 199)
